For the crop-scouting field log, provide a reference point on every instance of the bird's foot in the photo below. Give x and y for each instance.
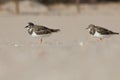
(41, 41)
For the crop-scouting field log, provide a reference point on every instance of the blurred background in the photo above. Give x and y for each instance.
(47, 7)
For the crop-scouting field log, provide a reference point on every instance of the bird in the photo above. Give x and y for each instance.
(39, 30)
(100, 32)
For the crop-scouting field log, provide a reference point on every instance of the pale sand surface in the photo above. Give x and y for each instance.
(60, 57)
(71, 54)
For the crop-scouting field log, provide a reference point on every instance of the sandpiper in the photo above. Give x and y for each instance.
(39, 30)
(100, 32)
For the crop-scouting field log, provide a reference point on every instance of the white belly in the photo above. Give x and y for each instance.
(40, 36)
(34, 34)
(98, 35)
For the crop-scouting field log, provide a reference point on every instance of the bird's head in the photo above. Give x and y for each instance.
(91, 26)
(30, 25)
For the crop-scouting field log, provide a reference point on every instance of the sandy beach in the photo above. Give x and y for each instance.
(71, 54)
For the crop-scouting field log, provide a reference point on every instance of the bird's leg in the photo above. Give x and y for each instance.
(101, 39)
(41, 40)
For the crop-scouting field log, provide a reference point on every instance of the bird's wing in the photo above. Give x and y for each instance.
(103, 30)
(42, 30)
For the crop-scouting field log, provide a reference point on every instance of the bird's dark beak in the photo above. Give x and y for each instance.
(26, 26)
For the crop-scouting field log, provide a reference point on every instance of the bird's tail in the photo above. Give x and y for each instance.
(55, 30)
(116, 33)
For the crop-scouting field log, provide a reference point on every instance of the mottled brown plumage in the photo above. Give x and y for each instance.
(100, 32)
(39, 30)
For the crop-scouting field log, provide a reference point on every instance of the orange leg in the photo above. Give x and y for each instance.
(101, 39)
(41, 41)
